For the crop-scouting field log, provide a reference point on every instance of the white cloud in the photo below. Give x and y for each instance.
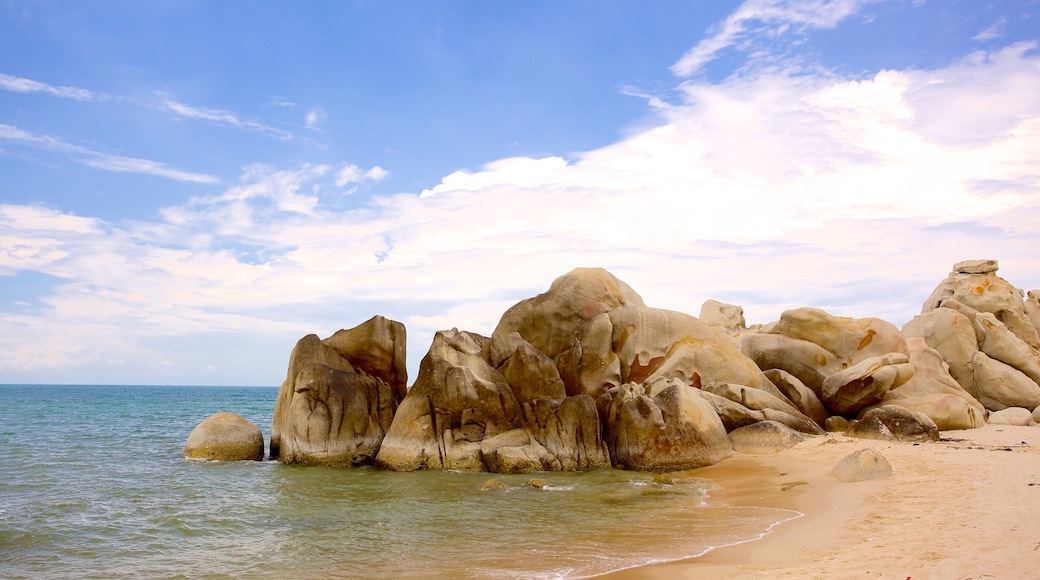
(98, 160)
(223, 117)
(23, 85)
(802, 14)
(351, 174)
(315, 117)
(767, 190)
(992, 32)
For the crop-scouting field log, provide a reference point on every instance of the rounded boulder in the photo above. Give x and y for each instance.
(225, 437)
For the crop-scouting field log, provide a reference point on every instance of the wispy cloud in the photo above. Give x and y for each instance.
(782, 14)
(994, 31)
(23, 85)
(99, 160)
(315, 117)
(224, 117)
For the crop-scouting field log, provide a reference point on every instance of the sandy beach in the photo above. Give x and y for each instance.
(965, 507)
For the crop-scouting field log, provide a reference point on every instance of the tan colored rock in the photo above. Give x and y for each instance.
(335, 418)
(894, 423)
(1036, 414)
(654, 343)
(569, 429)
(225, 436)
(457, 401)
(590, 366)
(934, 392)
(673, 430)
(764, 438)
(378, 347)
(759, 401)
(850, 340)
(836, 424)
(801, 396)
(1031, 306)
(998, 385)
(309, 350)
(975, 267)
(513, 452)
(1001, 344)
(986, 292)
(1012, 416)
(865, 383)
(862, 465)
(529, 372)
(550, 320)
(952, 335)
(726, 316)
(809, 362)
(734, 415)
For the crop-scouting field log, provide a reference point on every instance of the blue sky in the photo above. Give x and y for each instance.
(187, 188)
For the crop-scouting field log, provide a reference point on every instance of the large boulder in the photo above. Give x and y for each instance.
(665, 428)
(975, 284)
(999, 385)
(952, 335)
(727, 316)
(225, 436)
(457, 401)
(765, 438)
(894, 423)
(309, 350)
(757, 400)
(652, 343)
(1012, 416)
(799, 395)
(812, 344)
(378, 348)
(462, 413)
(1031, 306)
(335, 418)
(865, 383)
(862, 465)
(934, 392)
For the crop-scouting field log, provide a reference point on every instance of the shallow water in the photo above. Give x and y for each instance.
(93, 485)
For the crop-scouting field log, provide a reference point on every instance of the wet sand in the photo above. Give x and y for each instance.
(965, 507)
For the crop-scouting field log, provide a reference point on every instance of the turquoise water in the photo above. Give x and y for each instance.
(93, 485)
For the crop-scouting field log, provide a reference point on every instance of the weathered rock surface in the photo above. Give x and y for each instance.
(336, 418)
(862, 465)
(670, 428)
(979, 288)
(999, 386)
(952, 335)
(894, 423)
(934, 392)
(339, 394)
(801, 396)
(1012, 416)
(727, 316)
(812, 345)
(225, 436)
(757, 400)
(764, 438)
(463, 414)
(866, 382)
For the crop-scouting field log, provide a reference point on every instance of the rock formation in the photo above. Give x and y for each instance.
(585, 375)
(225, 436)
(340, 394)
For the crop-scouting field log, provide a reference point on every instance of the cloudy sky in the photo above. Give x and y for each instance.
(187, 188)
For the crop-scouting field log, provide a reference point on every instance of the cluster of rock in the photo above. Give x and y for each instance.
(586, 375)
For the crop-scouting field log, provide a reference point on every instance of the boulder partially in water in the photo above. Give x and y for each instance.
(225, 436)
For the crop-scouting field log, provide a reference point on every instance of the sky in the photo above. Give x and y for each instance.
(188, 188)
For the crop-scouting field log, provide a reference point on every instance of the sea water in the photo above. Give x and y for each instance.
(93, 484)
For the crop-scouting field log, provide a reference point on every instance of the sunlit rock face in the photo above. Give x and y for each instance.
(340, 394)
(983, 328)
(463, 413)
(225, 436)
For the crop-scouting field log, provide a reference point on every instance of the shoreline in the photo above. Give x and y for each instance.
(944, 513)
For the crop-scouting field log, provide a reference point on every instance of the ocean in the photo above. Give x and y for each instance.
(93, 485)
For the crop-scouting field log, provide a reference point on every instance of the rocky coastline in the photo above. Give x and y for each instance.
(585, 375)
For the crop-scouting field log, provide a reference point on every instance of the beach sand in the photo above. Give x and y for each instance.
(965, 507)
